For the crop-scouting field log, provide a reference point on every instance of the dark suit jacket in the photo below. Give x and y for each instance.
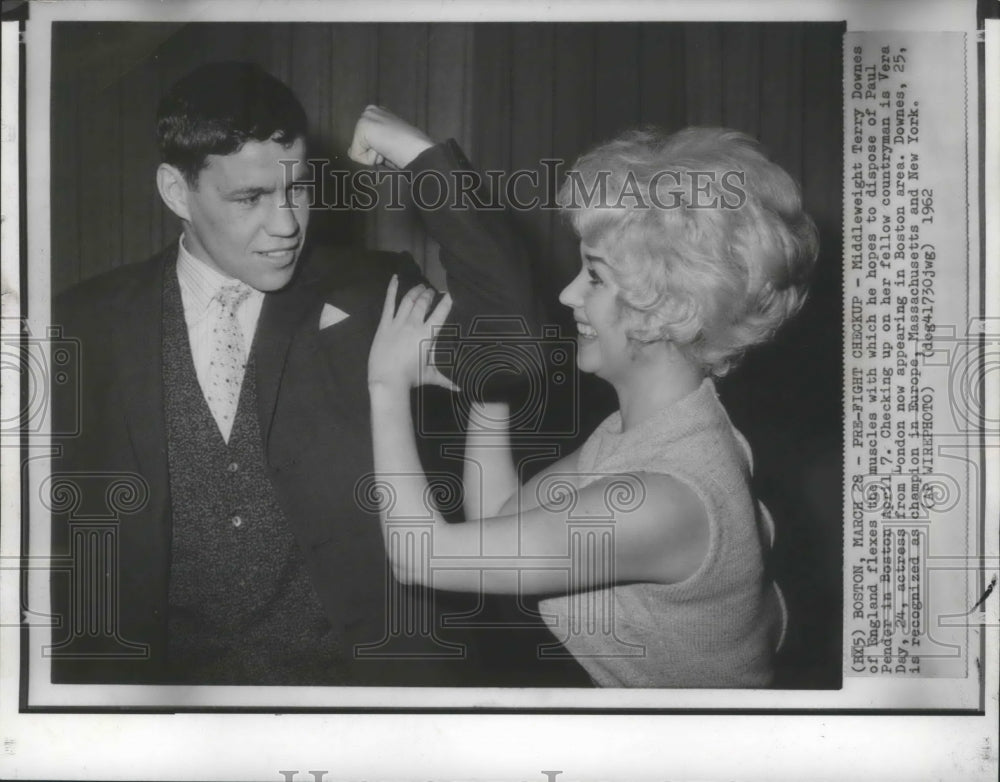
(314, 418)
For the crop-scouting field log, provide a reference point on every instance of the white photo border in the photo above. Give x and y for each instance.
(357, 745)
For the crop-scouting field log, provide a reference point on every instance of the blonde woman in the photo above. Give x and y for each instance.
(694, 247)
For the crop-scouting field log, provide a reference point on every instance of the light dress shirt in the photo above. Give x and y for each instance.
(199, 285)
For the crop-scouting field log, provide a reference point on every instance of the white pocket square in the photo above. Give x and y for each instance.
(330, 316)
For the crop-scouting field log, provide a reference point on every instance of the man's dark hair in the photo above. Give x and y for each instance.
(217, 108)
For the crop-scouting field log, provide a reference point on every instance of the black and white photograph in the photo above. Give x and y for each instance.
(525, 373)
(247, 547)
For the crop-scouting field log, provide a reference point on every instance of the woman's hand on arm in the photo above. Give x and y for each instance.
(398, 361)
(399, 358)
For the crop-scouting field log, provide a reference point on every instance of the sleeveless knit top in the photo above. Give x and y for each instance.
(717, 627)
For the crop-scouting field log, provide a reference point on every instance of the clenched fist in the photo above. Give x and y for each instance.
(382, 137)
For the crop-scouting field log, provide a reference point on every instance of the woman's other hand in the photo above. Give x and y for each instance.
(400, 354)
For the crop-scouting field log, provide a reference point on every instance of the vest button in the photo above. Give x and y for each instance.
(233, 467)
(237, 521)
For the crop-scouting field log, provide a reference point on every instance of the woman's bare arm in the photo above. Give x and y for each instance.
(659, 527)
(489, 477)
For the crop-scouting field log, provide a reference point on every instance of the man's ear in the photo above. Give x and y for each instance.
(173, 189)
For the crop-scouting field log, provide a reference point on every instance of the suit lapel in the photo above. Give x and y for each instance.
(295, 311)
(320, 442)
(138, 346)
(144, 541)
(280, 318)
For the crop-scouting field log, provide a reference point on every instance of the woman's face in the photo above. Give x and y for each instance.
(602, 343)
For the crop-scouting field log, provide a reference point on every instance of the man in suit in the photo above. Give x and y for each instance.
(223, 386)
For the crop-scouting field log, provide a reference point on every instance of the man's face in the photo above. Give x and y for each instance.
(247, 218)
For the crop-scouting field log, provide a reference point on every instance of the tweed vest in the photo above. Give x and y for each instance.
(241, 607)
(717, 628)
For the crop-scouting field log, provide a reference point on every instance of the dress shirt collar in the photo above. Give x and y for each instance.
(200, 281)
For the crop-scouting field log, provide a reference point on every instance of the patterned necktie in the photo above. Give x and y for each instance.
(225, 371)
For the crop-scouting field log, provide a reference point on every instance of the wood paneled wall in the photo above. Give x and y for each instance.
(107, 80)
(553, 90)
(512, 94)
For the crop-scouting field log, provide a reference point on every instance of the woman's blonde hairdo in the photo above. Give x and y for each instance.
(712, 255)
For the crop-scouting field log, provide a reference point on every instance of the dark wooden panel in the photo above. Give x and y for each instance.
(703, 74)
(822, 136)
(97, 221)
(352, 55)
(352, 51)
(662, 76)
(310, 78)
(139, 154)
(450, 85)
(781, 89)
(317, 61)
(616, 86)
(822, 139)
(532, 125)
(532, 85)
(822, 127)
(741, 78)
(64, 183)
(448, 106)
(402, 87)
(278, 50)
(514, 93)
(100, 186)
(492, 67)
(573, 125)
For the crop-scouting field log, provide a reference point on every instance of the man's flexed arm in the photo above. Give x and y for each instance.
(488, 271)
